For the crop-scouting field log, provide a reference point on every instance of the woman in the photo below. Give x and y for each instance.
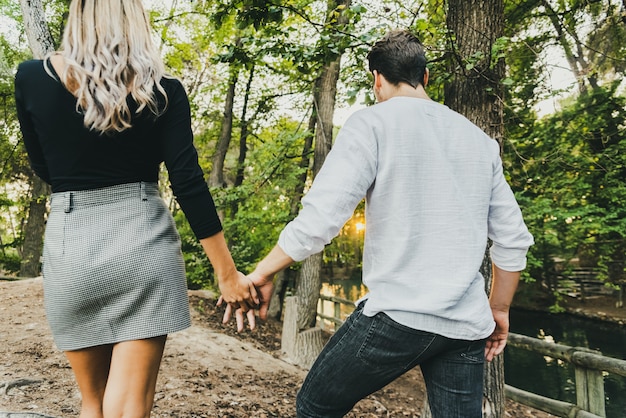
(98, 118)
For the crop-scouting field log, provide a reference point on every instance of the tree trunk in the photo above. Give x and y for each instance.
(304, 163)
(243, 141)
(325, 89)
(34, 229)
(477, 94)
(283, 278)
(36, 27)
(243, 136)
(40, 42)
(300, 347)
(308, 290)
(216, 178)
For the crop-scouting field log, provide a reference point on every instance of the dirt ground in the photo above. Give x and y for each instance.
(208, 370)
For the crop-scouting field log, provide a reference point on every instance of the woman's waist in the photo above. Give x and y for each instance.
(69, 199)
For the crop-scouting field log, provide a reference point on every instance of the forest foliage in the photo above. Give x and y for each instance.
(564, 147)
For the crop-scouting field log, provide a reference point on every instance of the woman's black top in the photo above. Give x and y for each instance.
(68, 156)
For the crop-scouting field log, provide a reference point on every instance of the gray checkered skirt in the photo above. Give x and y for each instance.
(113, 268)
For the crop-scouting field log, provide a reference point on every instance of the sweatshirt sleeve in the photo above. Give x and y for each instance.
(31, 142)
(507, 230)
(181, 159)
(342, 182)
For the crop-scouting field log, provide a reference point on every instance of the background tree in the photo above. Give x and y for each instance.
(324, 92)
(475, 90)
(40, 41)
(556, 171)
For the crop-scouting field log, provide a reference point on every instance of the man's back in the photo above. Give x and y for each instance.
(434, 189)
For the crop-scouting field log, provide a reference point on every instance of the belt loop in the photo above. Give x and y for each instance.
(68, 201)
(144, 195)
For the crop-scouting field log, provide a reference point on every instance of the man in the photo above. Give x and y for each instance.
(435, 193)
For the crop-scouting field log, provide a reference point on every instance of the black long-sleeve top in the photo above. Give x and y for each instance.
(68, 156)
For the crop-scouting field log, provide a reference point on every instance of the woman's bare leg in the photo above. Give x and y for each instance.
(132, 378)
(91, 369)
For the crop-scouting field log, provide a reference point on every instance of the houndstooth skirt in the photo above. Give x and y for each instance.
(113, 268)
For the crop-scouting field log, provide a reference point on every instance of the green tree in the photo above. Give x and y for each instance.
(574, 171)
(41, 43)
(475, 90)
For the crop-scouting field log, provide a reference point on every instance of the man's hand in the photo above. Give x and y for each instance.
(239, 293)
(497, 341)
(262, 279)
(265, 288)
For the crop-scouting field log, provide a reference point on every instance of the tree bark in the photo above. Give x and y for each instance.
(283, 278)
(301, 347)
(34, 229)
(216, 178)
(40, 42)
(477, 93)
(325, 89)
(243, 136)
(37, 30)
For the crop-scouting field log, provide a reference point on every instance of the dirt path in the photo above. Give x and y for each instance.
(208, 370)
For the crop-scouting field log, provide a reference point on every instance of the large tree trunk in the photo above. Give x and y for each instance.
(40, 41)
(477, 94)
(309, 284)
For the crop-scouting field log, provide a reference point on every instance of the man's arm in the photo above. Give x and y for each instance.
(263, 276)
(503, 289)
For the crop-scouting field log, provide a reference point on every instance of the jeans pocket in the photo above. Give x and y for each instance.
(475, 352)
(389, 343)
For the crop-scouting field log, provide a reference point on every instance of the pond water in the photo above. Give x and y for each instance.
(553, 378)
(531, 371)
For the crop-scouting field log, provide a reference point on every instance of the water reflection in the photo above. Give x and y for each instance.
(348, 289)
(554, 378)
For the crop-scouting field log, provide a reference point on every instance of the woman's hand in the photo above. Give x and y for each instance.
(240, 295)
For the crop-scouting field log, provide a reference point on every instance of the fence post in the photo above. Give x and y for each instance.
(337, 313)
(320, 310)
(589, 387)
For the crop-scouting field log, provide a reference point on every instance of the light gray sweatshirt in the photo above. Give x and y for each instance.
(435, 192)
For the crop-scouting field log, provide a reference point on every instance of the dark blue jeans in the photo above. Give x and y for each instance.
(367, 353)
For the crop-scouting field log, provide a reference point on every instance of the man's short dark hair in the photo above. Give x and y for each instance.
(399, 57)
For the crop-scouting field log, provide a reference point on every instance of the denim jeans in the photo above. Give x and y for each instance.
(367, 353)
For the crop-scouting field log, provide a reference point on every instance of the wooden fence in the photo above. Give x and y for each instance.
(588, 365)
(335, 318)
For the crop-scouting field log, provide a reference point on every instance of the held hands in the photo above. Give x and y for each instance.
(264, 288)
(497, 340)
(239, 293)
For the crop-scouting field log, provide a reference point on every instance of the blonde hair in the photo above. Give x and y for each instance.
(109, 54)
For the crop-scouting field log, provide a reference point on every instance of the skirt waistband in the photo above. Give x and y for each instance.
(72, 199)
